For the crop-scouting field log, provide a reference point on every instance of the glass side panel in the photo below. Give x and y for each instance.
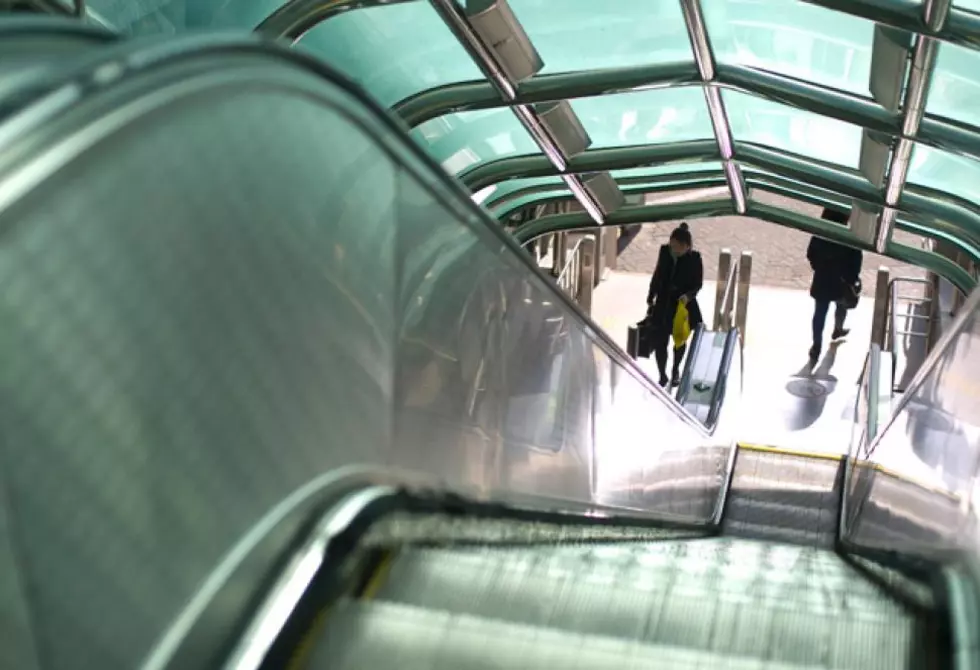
(394, 51)
(955, 91)
(915, 490)
(645, 117)
(169, 18)
(783, 127)
(573, 35)
(794, 39)
(956, 175)
(460, 141)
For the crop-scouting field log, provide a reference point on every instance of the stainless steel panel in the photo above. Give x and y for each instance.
(501, 391)
(916, 489)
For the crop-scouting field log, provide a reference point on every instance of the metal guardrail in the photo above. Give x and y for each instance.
(893, 301)
(725, 310)
(570, 275)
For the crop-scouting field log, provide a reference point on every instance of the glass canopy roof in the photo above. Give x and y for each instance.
(876, 102)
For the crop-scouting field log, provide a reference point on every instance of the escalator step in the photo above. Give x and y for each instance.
(368, 636)
(794, 604)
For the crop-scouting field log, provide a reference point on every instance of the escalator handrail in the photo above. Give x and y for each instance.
(720, 390)
(684, 389)
(970, 310)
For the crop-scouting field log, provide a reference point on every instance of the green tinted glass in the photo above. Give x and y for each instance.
(645, 117)
(971, 5)
(501, 196)
(947, 172)
(460, 141)
(575, 35)
(783, 127)
(794, 39)
(168, 18)
(955, 91)
(393, 51)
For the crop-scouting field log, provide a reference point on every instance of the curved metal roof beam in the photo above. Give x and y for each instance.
(709, 182)
(828, 102)
(724, 207)
(921, 205)
(962, 27)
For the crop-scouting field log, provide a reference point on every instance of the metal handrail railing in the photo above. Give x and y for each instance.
(569, 277)
(727, 310)
(932, 362)
(873, 391)
(893, 299)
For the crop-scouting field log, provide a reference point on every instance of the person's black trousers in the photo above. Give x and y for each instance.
(820, 309)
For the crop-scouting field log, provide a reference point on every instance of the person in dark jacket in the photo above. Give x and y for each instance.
(677, 279)
(836, 279)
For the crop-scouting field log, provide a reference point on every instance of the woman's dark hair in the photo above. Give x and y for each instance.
(683, 235)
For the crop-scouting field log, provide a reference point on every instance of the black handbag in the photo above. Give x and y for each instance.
(639, 341)
(851, 294)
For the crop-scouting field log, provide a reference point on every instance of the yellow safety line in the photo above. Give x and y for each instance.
(839, 457)
(790, 452)
(302, 653)
(378, 578)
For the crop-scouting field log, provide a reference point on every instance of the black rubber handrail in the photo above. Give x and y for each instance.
(684, 389)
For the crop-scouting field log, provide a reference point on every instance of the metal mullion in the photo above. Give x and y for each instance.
(453, 16)
(917, 84)
(697, 33)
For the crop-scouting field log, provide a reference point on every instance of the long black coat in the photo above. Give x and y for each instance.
(672, 279)
(834, 267)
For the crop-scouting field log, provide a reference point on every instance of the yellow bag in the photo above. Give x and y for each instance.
(682, 325)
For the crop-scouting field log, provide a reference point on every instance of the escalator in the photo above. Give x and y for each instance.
(268, 408)
(465, 591)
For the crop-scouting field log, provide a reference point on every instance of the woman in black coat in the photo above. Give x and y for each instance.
(677, 279)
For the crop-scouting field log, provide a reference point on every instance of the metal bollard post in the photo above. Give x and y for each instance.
(744, 281)
(724, 267)
(612, 244)
(587, 250)
(879, 320)
(560, 252)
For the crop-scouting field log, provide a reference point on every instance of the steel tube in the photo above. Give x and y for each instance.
(913, 109)
(454, 17)
(705, 60)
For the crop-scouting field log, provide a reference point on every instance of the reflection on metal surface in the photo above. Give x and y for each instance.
(913, 492)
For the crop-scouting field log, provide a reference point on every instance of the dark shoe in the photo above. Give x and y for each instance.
(839, 333)
(663, 381)
(814, 354)
(675, 381)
